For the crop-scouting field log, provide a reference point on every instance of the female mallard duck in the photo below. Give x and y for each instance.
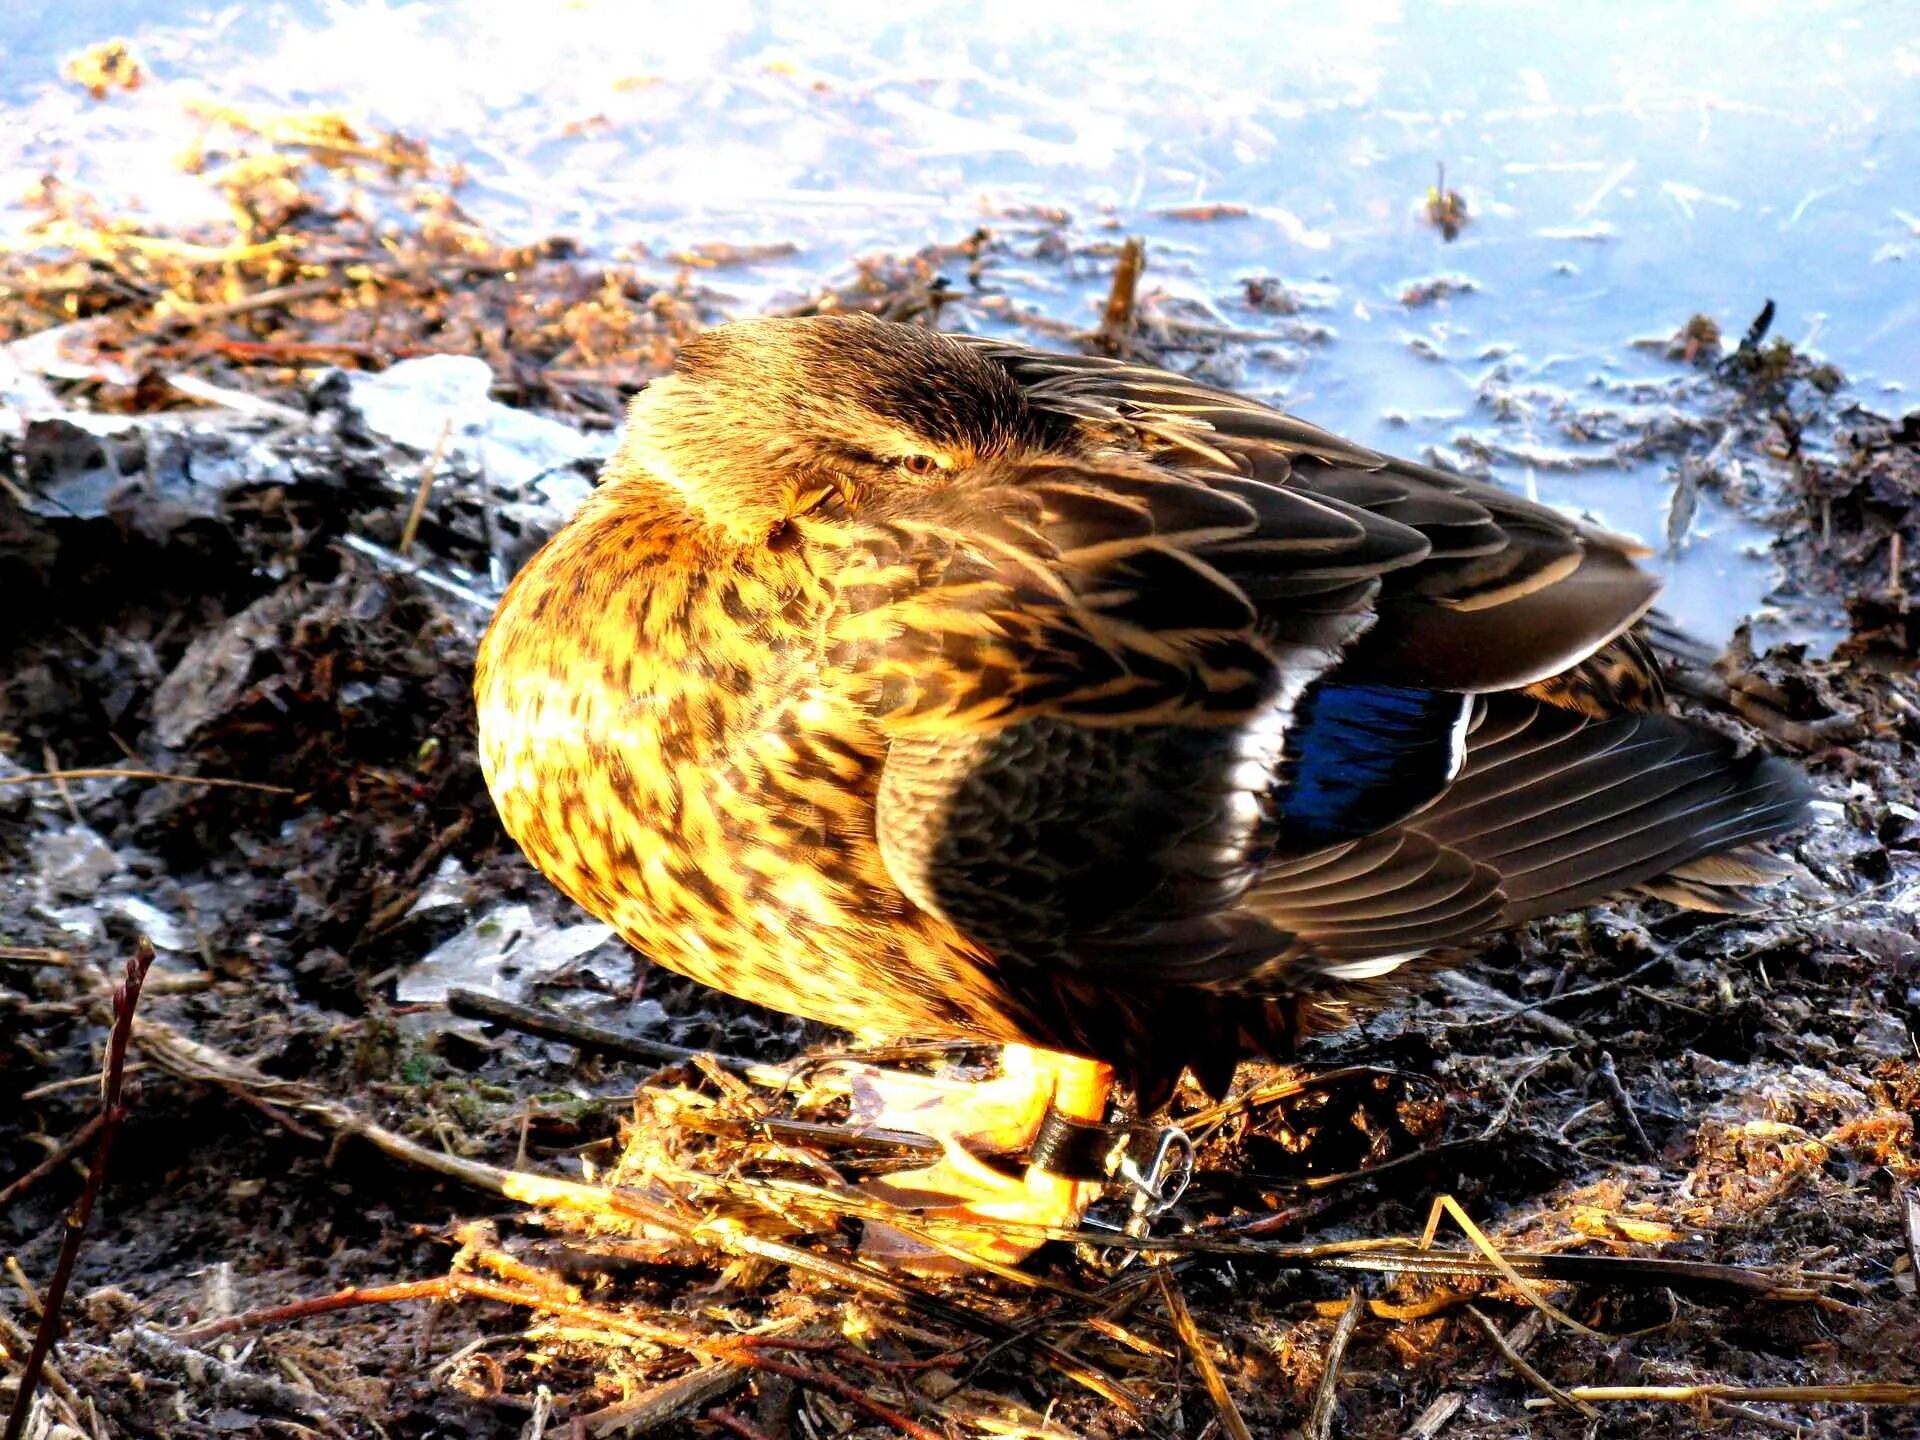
(935, 686)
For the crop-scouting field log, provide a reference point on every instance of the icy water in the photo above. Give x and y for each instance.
(1625, 166)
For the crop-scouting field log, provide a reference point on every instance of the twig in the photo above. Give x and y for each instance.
(60, 777)
(439, 1288)
(112, 1113)
(1597, 988)
(533, 1020)
(242, 403)
(734, 1425)
(1320, 1420)
(1519, 1362)
(1759, 1417)
(1609, 1079)
(1209, 1117)
(656, 1408)
(1231, 1420)
(225, 1380)
(1434, 1418)
(849, 1394)
(1798, 919)
(1802, 735)
(1467, 988)
(806, 1132)
(15, 1340)
(80, 1082)
(190, 313)
(1912, 1199)
(65, 1151)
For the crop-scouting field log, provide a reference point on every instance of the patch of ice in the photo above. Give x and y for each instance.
(150, 920)
(82, 922)
(74, 863)
(502, 953)
(446, 888)
(415, 402)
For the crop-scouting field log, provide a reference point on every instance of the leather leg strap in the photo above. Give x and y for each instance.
(1073, 1149)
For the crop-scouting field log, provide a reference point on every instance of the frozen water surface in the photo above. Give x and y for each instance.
(1624, 168)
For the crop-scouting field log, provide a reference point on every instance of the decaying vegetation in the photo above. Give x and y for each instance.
(240, 611)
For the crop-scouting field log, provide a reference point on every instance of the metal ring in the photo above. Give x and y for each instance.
(1158, 1188)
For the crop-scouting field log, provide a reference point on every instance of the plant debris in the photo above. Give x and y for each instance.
(101, 69)
(1446, 209)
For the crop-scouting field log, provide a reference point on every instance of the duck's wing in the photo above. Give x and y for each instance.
(1121, 701)
(1507, 593)
(1084, 669)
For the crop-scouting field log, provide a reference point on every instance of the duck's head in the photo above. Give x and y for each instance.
(763, 420)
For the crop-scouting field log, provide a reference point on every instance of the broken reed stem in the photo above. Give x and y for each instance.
(427, 472)
(35, 955)
(1116, 322)
(1447, 1206)
(52, 762)
(126, 996)
(1231, 1420)
(1320, 1421)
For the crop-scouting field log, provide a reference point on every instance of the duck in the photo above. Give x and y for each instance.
(932, 685)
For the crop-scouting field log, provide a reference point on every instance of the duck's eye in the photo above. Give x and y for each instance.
(919, 464)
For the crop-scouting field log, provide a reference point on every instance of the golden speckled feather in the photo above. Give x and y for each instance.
(930, 685)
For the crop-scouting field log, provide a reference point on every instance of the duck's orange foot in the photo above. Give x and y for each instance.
(970, 1121)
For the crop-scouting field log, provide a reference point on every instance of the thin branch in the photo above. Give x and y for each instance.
(438, 1288)
(126, 996)
(848, 1394)
(63, 1153)
(60, 777)
(1519, 1362)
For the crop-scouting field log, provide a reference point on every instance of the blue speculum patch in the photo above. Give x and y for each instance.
(1360, 757)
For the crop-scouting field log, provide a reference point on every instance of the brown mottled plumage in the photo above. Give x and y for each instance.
(935, 686)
